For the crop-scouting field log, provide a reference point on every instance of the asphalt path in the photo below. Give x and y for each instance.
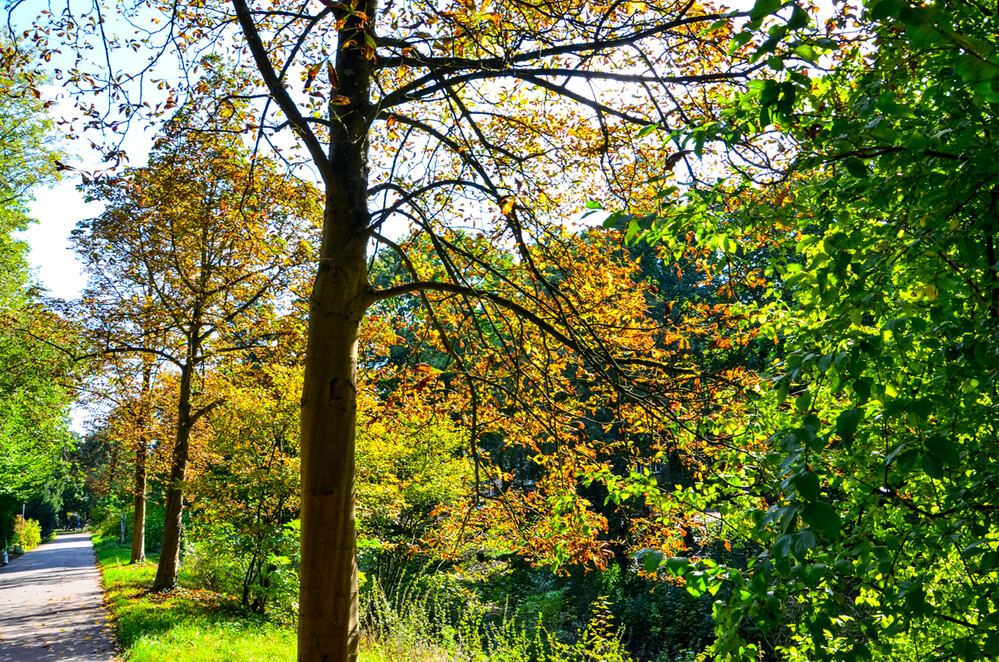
(51, 605)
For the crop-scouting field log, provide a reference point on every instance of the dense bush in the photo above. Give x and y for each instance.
(106, 523)
(258, 566)
(27, 534)
(658, 619)
(426, 624)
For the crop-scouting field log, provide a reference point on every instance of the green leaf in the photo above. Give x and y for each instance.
(739, 40)
(823, 518)
(801, 542)
(988, 90)
(782, 548)
(633, 230)
(933, 466)
(720, 23)
(807, 485)
(847, 422)
(884, 9)
(916, 143)
(651, 559)
(806, 52)
(862, 388)
(677, 566)
(618, 220)
(991, 645)
(943, 448)
(855, 167)
(799, 18)
(644, 131)
(764, 8)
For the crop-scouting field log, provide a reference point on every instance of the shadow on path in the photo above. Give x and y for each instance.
(51, 605)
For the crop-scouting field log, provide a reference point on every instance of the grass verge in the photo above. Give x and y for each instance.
(193, 625)
(183, 625)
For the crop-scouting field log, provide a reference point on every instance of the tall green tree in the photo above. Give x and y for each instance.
(879, 475)
(36, 379)
(27, 160)
(36, 388)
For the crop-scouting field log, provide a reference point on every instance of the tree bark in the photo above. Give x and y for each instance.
(328, 625)
(328, 629)
(327, 622)
(139, 484)
(139, 515)
(166, 571)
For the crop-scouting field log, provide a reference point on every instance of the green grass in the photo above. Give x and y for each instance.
(184, 624)
(192, 625)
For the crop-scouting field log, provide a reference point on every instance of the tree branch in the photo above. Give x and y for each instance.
(280, 95)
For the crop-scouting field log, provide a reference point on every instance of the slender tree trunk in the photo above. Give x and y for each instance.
(139, 484)
(139, 515)
(327, 620)
(328, 629)
(166, 571)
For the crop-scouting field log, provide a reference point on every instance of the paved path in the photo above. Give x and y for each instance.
(51, 605)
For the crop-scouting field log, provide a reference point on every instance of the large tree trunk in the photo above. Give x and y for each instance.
(166, 571)
(328, 625)
(327, 619)
(328, 628)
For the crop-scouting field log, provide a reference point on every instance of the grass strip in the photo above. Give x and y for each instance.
(185, 625)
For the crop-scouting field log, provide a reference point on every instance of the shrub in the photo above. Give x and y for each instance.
(27, 534)
(426, 625)
(259, 565)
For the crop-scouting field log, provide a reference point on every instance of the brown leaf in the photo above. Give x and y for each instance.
(673, 159)
(310, 76)
(331, 72)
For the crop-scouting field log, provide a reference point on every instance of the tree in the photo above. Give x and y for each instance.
(36, 387)
(36, 379)
(561, 450)
(879, 525)
(187, 261)
(502, 116)
(26, 161)
(247, 496)
(127, 387)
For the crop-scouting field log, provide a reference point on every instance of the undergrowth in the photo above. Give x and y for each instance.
(197, 625)
(184, 624)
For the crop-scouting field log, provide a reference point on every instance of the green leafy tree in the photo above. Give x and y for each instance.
(878, 476)
(36, 387)
(36, 378)
(27, 160)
